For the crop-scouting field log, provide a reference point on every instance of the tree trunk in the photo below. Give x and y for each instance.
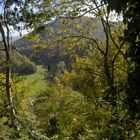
(11, 106)
(9, 101)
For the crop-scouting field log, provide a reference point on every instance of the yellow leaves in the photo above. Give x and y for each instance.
(55, 11)
(37, 38)
(8, 65)
(37, 46)
(2, 83)
(29, 37)
(2, 76)
(74, 119)
(66, 72)
(48, 30)
(78, 26)
(4, 119)
(34, 37)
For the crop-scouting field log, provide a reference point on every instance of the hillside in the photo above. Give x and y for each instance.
(20, 64)
(75, 75)
(51, 54)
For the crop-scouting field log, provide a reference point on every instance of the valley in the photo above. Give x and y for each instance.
(75, 76)
(37, 82)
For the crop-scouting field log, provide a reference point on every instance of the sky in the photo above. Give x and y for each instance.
(13, 32)
(1, 1)
(24, 32)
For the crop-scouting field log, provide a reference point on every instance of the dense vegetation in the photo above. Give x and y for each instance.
(19, 64)
(83, 83)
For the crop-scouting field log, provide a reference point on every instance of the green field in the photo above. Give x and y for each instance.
(37, 82)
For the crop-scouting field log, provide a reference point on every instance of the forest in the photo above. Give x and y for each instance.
(69, 70)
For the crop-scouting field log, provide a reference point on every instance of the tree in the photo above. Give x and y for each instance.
(131, 17)
(35, 14)
(5, 33)
(99, 8)
(98, 11)
(98, 75)
(17, 15)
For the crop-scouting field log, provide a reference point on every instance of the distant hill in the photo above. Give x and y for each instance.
(20, 64)
(50, 55)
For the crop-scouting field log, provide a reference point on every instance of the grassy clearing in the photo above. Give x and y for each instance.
(37, 82)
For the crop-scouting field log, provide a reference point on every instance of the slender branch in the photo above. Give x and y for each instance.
(116, 45)
(88, 11)
(84, 37)
(118, 52)
(97, 72)
(14, 48)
